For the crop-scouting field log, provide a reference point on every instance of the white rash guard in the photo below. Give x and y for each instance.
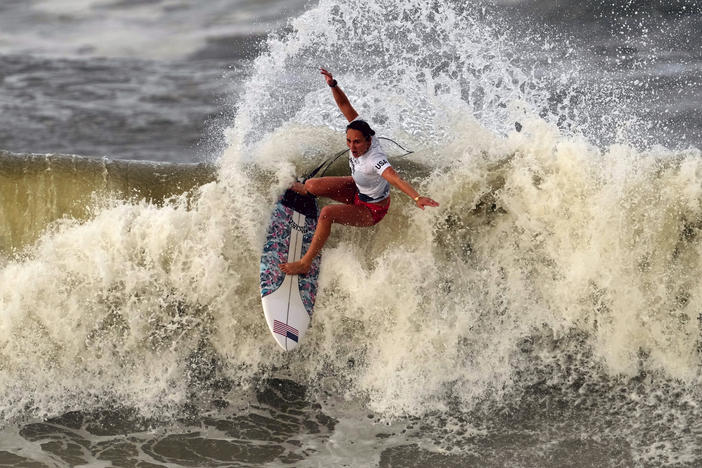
(367, 170)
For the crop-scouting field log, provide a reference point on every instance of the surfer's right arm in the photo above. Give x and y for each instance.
(341, 100)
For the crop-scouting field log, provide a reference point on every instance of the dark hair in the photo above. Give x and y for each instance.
(363, 127)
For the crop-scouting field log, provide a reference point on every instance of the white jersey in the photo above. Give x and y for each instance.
(367, 170)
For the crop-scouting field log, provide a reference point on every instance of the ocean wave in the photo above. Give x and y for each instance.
(540, 237)
(599, 9)
(162, 30)
(552, 263)
(38, 189)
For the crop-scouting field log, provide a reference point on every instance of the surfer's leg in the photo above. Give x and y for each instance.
(341, 189)
(349, 215)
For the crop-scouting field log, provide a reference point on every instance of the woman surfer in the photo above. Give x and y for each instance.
(365, 195)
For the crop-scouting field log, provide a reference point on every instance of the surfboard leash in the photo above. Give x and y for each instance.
(399, 145)
(328, 162)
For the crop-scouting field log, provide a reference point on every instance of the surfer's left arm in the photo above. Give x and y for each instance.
(398, 182)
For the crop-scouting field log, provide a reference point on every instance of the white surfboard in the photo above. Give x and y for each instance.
(288, 301)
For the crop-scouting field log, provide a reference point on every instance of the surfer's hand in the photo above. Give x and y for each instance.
(327, 75)
(425, 201)
(300, 188)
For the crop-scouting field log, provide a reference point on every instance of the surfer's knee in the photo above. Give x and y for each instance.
(310, 186)
(326, 214)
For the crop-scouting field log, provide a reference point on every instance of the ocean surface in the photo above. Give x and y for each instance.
(548, 314)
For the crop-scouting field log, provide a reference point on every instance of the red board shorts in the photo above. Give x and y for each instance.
(377, 212)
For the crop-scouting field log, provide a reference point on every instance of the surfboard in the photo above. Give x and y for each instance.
(288, 301)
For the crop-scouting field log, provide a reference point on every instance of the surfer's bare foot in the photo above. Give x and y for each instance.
(295, 268)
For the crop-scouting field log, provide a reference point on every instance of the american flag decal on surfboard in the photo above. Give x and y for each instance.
(285, 330)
